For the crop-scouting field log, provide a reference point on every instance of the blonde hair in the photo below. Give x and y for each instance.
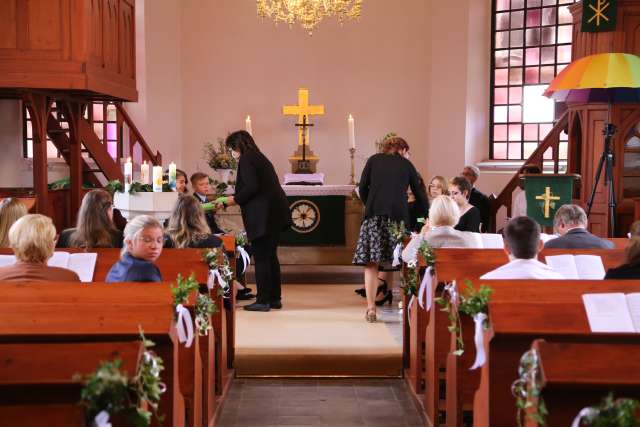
(443, 211)
(635, 229)
(94, 228)
(135, 226)
(442, 182)
(632, 251)
(11, 209)
(187, 223)
(33, 238)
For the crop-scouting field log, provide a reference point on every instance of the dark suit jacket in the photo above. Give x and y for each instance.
(625, 271)
(579, 238)
(481, 201)
(264, 206)
(130, 269)
(383, 188)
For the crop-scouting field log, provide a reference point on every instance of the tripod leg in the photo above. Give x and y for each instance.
(612, 194)
(601, 163)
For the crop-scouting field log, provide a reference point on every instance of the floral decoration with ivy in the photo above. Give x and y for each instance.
(136, 187)
(218, 155)
(613, 413)
(205, 307)
(470, 302)
(110, 389)
(212, 257)
(527, 390)
(411, 276)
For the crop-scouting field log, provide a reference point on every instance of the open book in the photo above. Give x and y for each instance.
(587, 267)
(83, 263)
(613, 312)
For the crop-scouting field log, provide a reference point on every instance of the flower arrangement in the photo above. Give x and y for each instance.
(218, 156)
(109, 391)
(213, 258)
(412, 271)
(611, 413)
(527, 390)
(204, 308)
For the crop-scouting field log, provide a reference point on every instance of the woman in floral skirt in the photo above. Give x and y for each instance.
(383, 190)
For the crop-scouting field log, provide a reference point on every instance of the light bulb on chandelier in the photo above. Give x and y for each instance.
(309, 13)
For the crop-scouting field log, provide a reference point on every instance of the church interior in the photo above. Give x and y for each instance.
(319, 213)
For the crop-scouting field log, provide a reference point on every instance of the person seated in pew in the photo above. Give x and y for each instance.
(11, 209)
(570, 222)
(201, 189)
(634, 230)
(181, 182)
(95, 227)
(33, 240)
(188, 227)
(631, 267)
(143, 241)
(522, 244)
(438, 232)
(459, 190)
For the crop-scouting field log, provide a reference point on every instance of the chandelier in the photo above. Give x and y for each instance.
(309, 13)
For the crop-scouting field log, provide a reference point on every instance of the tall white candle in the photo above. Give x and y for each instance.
(128, 175)
(352, 132)
(157, 179)
(144, 172)
(247, 125)
(172, 176)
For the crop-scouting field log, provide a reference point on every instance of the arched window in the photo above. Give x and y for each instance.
(531, 45)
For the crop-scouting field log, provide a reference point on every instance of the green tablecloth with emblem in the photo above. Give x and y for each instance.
(317, 221)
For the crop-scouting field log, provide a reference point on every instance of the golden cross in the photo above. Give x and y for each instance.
(301, 110)
(547, 197)
(599, 11)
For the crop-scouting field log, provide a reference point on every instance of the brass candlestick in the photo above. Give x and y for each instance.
(352, 152)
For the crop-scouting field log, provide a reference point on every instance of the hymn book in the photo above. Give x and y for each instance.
(613, 312)
(83, 264)
(585, 267)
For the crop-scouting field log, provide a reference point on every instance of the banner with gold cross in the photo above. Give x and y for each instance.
(598, 15)
(545, 193)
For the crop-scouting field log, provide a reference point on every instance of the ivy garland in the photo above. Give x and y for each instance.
(136, 187)
(613, 413)
(470, 302)
(212, 258)
(204, 308)
(526, 389)
(110, 389)
(183, 288)
(412, 272)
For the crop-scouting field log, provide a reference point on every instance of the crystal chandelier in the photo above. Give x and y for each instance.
(309, 13)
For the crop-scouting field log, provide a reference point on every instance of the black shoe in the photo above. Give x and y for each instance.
(245, 290)
(244, 296)
(361, 292)
(381, 289)
(257, 307)
(388, 297)
(276, 305)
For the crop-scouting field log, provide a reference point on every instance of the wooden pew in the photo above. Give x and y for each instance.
(522, 311)
(36, 379)
(459, 264)
(77, 322)
(577, 375)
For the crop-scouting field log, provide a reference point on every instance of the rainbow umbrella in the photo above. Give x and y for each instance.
(605, 77)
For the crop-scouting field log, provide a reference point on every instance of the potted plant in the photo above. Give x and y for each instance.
(219, 158)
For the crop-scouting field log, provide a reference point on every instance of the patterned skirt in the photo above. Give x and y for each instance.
(375, 243)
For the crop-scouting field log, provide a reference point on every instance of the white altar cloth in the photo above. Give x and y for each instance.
(319, 190)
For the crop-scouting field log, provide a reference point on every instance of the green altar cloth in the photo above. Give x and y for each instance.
(317, 221)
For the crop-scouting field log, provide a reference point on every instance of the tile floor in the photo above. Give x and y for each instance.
(322, 402)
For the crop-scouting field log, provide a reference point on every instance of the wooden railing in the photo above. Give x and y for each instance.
(551, 141)
(137, 148)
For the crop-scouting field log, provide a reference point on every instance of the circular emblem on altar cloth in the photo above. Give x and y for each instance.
(305, 216)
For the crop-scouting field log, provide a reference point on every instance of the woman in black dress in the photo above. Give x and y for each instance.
(459, 190)
(265, 213)
(383, 190)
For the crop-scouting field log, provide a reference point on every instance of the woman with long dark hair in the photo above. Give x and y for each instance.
(383, 190)
(265, 213)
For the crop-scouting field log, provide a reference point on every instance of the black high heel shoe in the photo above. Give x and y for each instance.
(382, 288)
(388, 297)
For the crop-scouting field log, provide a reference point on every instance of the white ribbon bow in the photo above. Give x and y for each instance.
(478, 337)
(426, 287)
(396, 255)
(586, 412)
(184, 325)
(246, 259)
(214, 275)
(102, 419)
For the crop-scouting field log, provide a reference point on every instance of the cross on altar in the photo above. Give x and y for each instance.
(548, 198)
(303, 159)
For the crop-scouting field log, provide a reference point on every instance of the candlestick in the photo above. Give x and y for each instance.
(352, 152)
(172, 176)
(352, 132)
(157, 179)
(247, 124)
(128, 175)
(144, 173)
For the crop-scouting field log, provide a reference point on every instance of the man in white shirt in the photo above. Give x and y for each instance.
(522, 244)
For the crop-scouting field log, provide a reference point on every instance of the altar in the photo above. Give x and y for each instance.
(317, 214)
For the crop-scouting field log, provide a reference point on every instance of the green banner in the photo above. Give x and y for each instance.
(545, 194)
(317, 221)
(598, 15)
